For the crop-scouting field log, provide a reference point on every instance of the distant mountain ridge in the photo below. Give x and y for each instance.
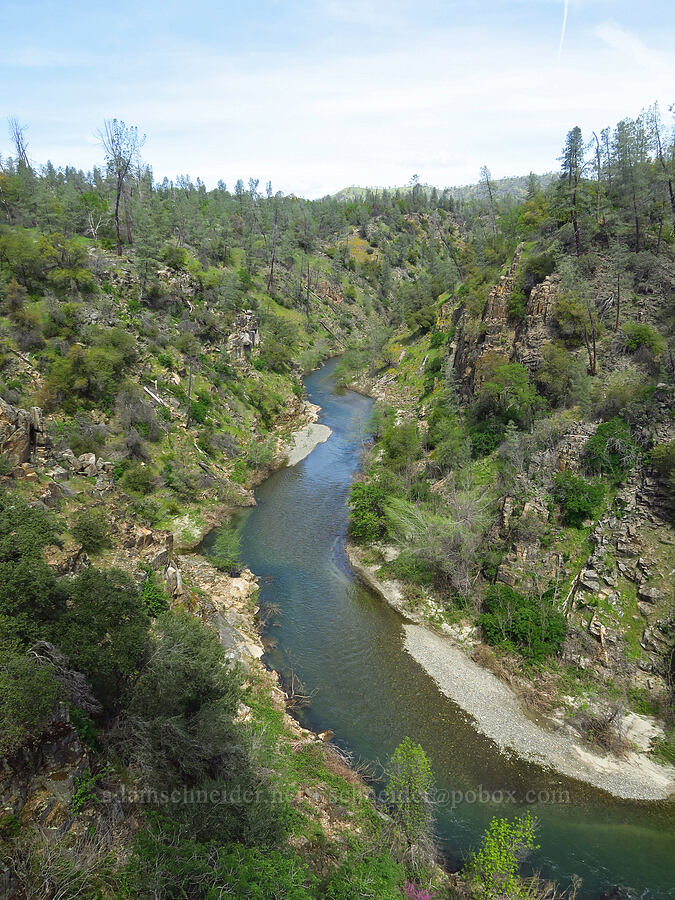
(511, 186)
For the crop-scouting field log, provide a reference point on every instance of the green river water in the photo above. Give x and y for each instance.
(345, 644)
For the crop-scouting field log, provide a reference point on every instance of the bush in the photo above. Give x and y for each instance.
(626, 394)
(527, 623)
(167, 863)
(570, 317)
(611, 450)
(378, 877)
(410, 780)
(155, 598)
(507, 395)
(137, 479)
(31, 599)
(663, 458)
(401, 445)
(28, 694)
(187, 681)
(578, 497)
(493, 869)
(104, 631)
(636, 335)
(91, 530)
(367, 521)
(562, 376)
(225, 554)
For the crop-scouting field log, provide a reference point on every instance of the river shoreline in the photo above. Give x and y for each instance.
(497, 712)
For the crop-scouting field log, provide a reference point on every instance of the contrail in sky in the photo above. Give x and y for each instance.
(564, 26)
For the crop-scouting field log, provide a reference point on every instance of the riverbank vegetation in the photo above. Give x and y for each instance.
(152, 340)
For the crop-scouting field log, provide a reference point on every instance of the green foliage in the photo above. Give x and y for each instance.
(90, 374)
(663, 458)
(188, 680)
(155, 598)
(407, 792)
(611, 450)
(104, 631)
(137, 479)
(626, 394)
(562, 376)
(92, 531)
(636, 335)
(280, 338)
(28, 694)
(84, 727)
(507, 395)
(579, 498)
(368, 877)
(401, 445)
(527, 623)
(168, 863)
(30, 597)
(367, 521)
(494, 868)
(225, 554)
(570, 317)
(84, 794)
(175, 257)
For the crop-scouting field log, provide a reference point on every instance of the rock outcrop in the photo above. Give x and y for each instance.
(245, 337)
(22, 434)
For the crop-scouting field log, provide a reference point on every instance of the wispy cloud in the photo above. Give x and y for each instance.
(563, 29)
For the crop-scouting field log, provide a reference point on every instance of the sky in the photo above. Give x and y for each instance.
(315, 95)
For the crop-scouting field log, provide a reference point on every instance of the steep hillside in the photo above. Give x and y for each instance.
(520, 490)
(519, 494)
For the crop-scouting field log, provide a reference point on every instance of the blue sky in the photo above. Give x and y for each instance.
(319, 95)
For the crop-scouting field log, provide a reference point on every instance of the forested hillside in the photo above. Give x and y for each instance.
(519, 488)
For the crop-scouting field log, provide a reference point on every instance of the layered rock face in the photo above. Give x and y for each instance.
(244, 338)
(500, 338)
(22, 433)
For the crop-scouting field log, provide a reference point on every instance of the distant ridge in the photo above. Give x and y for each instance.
(512, 186)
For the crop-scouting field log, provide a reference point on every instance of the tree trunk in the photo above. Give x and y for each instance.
(127, 219)
(117, 216)
(618, 301)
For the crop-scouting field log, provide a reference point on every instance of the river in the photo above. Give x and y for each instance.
(345, 644)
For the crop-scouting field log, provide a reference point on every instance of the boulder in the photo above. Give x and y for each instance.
(160, 559)
(589, 580)
(650, 594)
(86, 461)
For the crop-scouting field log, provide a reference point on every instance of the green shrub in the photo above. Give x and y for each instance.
(137, 479)
(663, 458)
(170, 864)
(562, 376)
(28, 694)
(508, 395)
(611, 450)
(104, 631)
(91, 530)
(31, 598)
(579, 498)
(377, 877)
(570, 317)
(407, 792)
(401, 445)
(494, 868)
(367, 521)
(155, 598)
(636, 335)
(525, 622)
(225, 554)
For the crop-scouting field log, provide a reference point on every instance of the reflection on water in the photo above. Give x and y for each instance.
(345, 644)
